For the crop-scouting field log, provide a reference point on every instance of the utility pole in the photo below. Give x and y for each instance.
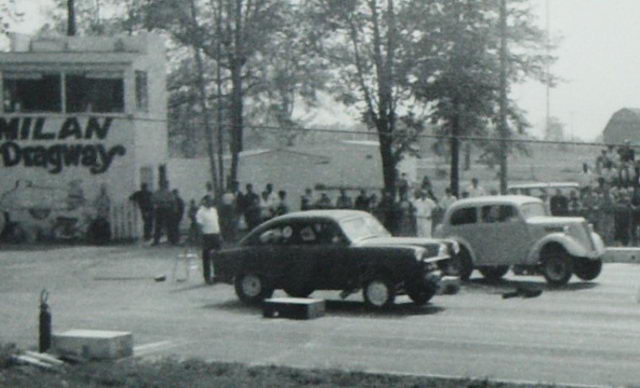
(502, 125)
(71, 18)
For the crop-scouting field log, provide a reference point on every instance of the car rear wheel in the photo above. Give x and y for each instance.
(252, 288)
(461, 265)
(494, 273)
(557, 268)
(587, 269)
(379, 292)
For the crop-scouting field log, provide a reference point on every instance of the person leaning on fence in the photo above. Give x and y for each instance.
(207, 219)
(143, 198)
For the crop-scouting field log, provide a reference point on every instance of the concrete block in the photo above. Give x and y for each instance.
(93, 344)
(293, 308)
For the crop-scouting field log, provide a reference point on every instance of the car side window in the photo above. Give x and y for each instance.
(498, 213)
(320, 233)
(464, 216)
(277, 235)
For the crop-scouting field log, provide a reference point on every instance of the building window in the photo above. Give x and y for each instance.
(101, 92)
(142, 94)
(32, 92)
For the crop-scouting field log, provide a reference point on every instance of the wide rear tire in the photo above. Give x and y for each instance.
(252, 288)
(587, 269)
(557, 267)
(495, 273)
(379, 292)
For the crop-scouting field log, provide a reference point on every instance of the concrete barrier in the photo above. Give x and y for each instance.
(93, 344)
(621, 255)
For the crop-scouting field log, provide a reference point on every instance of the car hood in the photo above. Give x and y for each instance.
(432, 245)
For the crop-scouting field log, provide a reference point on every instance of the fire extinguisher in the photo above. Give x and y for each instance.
(45, 322)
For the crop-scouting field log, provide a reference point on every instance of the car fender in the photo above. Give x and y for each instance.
(464, 243)
(599, 245)
(573, 247)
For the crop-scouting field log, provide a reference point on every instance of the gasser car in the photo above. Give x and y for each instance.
(497, 232)
(345, 250)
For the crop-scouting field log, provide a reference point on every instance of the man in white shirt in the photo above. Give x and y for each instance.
(207, 219)
(423, 206)
(475, 190)
(448, 199)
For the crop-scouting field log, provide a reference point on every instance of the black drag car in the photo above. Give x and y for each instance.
(343, 250)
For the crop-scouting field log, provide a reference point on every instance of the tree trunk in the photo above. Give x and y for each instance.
(455, 153)
(71, 18)
(467, 156)
(236, 65)
(236, 118)
(502, 124)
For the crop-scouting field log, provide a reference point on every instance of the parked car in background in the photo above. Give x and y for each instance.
(499, 232)
(345, 250)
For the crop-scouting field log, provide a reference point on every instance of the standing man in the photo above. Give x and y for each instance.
(362, 201)
(164, 205)
(178, 213)
(207, 219)
(143, 198)
(252, 208)
(344, 201)
(424, 208)
(475, 190)
(306, 200)
(448, 199)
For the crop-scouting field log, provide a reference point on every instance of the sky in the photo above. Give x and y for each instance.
(598, 62)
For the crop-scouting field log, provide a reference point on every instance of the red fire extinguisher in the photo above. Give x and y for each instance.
(45, 322)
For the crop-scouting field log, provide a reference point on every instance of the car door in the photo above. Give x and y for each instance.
(505, 235)
(463, 225)
(329, 248)
(271, 251)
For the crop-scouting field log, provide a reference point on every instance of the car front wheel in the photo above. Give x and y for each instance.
(587, 269)
(379, 292)
(557, 268)
(421, 294)
(252, 288)
(461, 265)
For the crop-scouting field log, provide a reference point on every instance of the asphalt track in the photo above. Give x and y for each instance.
(587, 333)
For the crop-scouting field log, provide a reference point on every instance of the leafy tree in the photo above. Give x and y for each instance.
(459, 68)
(8, 14)
(370, 44)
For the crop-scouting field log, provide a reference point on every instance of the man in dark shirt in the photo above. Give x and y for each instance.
(251, 206)
(164, 205)
(362, 201)
(143, 199)
(559, 204)
(627, 158)
(344, 201)
(178, 213)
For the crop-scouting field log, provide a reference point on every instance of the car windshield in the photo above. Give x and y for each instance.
(363, 227)
(533, 209)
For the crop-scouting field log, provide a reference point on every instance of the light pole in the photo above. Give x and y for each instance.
(502, 124)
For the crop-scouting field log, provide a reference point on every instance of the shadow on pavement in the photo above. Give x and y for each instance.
(189, 288)
(398, 310)
(351, 308)
(503, 285)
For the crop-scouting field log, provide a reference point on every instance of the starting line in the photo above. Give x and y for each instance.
(621, 255)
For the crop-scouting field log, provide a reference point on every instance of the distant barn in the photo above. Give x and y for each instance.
(624, 124)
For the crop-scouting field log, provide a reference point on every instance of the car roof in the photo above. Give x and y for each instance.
(334, 214)
(544, 185)
(496, 199)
